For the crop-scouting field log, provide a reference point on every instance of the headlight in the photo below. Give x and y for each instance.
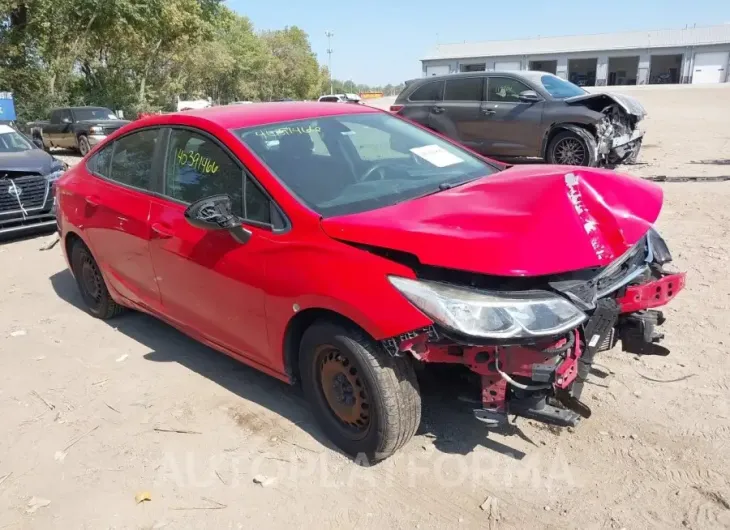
(490, 314)
(55, 175)
(96, 130)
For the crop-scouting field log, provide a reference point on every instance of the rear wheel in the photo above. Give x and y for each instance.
(572, 149)
(91, 284)
(365, 400)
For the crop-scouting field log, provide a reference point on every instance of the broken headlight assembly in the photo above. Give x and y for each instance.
(633, 263)
(489, 314)
(58, 168)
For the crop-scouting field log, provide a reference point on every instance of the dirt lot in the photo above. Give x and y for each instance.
(81, 401)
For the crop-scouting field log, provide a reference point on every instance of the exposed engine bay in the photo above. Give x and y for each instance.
(543, 378)
(617, 134)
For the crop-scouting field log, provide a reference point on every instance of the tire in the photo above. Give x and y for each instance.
(383, 416)
(84, 146)
(86, 271)
(582, 146)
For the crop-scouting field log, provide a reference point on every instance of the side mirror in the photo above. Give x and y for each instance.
(38, 142)
(215, 213)
(529, 96)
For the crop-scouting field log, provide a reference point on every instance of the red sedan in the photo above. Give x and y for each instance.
(343, 248)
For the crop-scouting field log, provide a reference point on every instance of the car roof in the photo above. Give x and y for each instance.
(255, 114)
(80, 108)
(525, 74)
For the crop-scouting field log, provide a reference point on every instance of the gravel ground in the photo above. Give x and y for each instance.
(88, 407)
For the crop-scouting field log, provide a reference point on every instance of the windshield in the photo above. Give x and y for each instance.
(11, 141)
(346, 164)
(94, 114)
(560, 88)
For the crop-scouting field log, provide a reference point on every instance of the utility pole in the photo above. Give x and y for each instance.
(329, 36)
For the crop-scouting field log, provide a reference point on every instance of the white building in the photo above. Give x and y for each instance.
(690, 55)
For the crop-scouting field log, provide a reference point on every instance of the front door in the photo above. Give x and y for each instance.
(65, 136)
(116, 209)
(459, 115)
(208, 281)
(512, 127)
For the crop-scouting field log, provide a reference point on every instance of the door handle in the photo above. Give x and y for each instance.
(437, 110)
(161, 231)
(92, 201)
(488, 111)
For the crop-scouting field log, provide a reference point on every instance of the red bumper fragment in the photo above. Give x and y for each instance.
(652, 294)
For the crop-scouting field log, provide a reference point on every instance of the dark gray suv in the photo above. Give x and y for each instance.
(526, 114)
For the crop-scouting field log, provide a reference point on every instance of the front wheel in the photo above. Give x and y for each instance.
(569, 148)
(366, 401)
(84, 146)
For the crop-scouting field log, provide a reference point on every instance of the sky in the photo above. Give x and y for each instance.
(382, 41)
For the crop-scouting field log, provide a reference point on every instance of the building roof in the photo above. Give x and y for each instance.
(626, 40)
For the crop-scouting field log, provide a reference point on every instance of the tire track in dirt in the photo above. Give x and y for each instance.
(708, 432)
(705, 509)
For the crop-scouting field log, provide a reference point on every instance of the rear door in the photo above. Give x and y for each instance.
(117, 211)
(418, 105)
(459, 116)
(208, 281)
(512, 127)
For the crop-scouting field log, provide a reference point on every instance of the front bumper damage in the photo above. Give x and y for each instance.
(544, 380)
(618, 135)
(618, 142)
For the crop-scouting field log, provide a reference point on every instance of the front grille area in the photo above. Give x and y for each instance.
(109, 130)
(29, 192)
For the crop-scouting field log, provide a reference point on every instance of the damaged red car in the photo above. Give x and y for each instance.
(343, 248)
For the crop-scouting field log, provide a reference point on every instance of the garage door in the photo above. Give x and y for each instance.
(437, 70)
(710, 67)
(505, 66)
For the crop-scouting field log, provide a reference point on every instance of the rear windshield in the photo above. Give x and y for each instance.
(345, 164)
(560, 88)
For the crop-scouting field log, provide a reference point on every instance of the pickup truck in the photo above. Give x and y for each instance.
(77, 128)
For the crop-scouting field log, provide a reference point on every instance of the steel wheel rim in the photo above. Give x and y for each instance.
(84, 146)
(569, 151)
(91, 280)
(343, 390)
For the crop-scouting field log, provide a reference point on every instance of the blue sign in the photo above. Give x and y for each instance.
(7, 107)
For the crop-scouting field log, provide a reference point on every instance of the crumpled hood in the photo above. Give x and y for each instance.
(629, 104)
(529, 220)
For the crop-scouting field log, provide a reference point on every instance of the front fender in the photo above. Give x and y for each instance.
(355, 287)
